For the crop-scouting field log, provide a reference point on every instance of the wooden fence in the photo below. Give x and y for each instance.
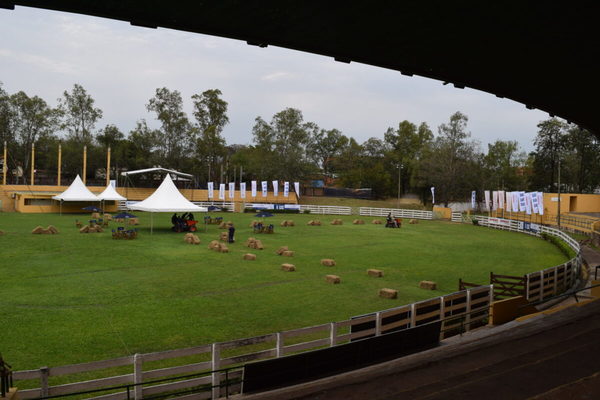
(331, 210)
(396, 212)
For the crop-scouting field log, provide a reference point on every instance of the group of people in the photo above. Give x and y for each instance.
(185, 222)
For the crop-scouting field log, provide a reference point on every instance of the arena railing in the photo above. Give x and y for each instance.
(396, 212)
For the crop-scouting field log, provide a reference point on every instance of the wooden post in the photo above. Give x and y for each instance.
(332, 334)
(442, 316)
(468, 310)
(137, 376)
(32, 182)
(378, 324)
(4, 162)
(44, 372)
(413, 316)
(59, 163)
(279, 344)
(216, 364)
(108, 167)
(84, 163)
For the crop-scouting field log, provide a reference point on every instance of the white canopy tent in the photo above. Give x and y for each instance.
(167, 198)
(110, 194)
(76, 192)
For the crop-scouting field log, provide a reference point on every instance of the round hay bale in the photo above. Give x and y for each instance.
(377, 222)
(328, 262)
(428, 285)
(377, 273)
(249, 257)
(332, 279)
(288, 253)
(388, 293)
(288, 267)
(281, 250)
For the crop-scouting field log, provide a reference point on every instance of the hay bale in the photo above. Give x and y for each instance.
(314, 222)
(107, 217)
(134, 221)
(223, 248)
(95, 215)
(290, 223)
(288, 267)
(214, 245)
(2, 233)
(91, 229)
(249, 241)
(223, 225)
(77, 223)
(253, 224)
(332, 279)
(84, 229)
(328, 262)
(428, 285)
(37, 230)
(195, 239)
(413, 221)
(249, 257)
(224, 236)
(358, 222)
(52, 229)
(288, 253)
(188, 239)
(376, 221)
(337, 221)
(281, 250)
(258, 245)
(388, 293)
(377, 273)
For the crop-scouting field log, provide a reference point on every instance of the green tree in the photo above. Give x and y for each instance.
(79, 116)
(502, 165)
(550, 143)
(581, 156)
(324, 147)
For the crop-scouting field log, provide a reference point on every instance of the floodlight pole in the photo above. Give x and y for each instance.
(558, 216)
(59, 162)
(4, 161)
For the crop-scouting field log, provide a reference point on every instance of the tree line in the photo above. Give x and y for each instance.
(408, 158)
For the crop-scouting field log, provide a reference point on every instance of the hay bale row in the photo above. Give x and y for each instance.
(218, 247)
(190, 238)
(337, 221)
(287, 222)
(358, 222)
(254, 244)
(50, 230)
(314, 222)
(377, 222)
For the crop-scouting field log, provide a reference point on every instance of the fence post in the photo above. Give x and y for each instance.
(44, 373)
(332, 334)
(527, 287)
(468, 310)
(216, 364)
(279, 344)
(378, 323)
(555, 281)
(542, 285)
(137, 376)
(442, 316)
(413, 316)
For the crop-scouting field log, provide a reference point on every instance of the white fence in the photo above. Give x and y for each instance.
(228, 204)
(396, 212)
(457, 217)
(331, 210)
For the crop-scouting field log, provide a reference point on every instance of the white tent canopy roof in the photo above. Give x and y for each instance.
(157, 169)
(167, 198)
(76, 192)
(110, 194)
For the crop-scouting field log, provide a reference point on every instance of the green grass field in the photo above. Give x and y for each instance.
(74, 297)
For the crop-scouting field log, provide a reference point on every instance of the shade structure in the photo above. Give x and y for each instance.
(110, 194)
(76, 192)
(167, 198)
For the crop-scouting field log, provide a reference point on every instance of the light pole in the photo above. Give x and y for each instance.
(558, 216)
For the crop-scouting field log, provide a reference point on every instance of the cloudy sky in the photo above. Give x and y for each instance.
(44, 53)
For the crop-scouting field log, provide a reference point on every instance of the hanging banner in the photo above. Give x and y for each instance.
(508, 202)
(534, 202)
(501, 199)
(231, 190)
(494, 200)
(253, 188)
(528, 203)
(286, 189)
(487, 199)
(297, 189)
(515, 201)
(522, 202)
(432, 195)
(243, 190)
(275, 188)
(473, 199)
(211, 188)
(221, 191)
(540, 197)
(265, 188)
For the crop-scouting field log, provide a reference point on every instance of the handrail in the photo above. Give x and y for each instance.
(558, 296)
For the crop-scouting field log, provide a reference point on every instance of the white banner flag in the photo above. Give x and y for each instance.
(211, 188)
(515, 201)
(473, 199)
(253, 188)
(495, 200)
(286, 189)
(275, 188)
(221, 191)
(522, 202)
(297, 189)
(231, 190)
(540, 197)
(243, 190)
(534, 202)
(265, 188)
(501, 199)
(528, 203)
(508, 202)
(487, 199)
(432, 195)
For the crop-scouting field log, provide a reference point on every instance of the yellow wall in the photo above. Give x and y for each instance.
(442, 212)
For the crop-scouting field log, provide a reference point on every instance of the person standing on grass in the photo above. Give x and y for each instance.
(231, 233)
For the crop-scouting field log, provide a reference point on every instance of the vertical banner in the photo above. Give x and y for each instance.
(495, 200)
(522, 202)
(508, 202)
(534, 202)
(515, 201)
(432, 195)
(221, 191)
(231, 190)
(286, 189)
(253, 186)
(275, 188)
(265, 188)
(501, 199)
(211, 189)
(243, 190)
(487, 199)
(473, 199)
(540, 197)
(528, 203)
(297, 189)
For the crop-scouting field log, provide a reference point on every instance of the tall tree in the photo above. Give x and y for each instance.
(549, 144)
(6, 135)
(581, 157)
(79, 114)
(324, 147)
(502, 165)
